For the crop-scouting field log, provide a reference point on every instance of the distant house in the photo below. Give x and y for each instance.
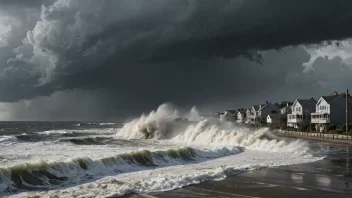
(331, 110)
(254, 117)
(265, 110)
(301, 112)
(259, 113)
(286, 109)
(272, 118)
(248, 115)
(218, 114)
(230, 115)
(241, 116)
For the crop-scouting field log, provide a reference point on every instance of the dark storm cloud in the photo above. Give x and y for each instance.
(25, 3)
(148, 52)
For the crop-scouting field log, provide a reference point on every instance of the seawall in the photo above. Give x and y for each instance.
(336, 138)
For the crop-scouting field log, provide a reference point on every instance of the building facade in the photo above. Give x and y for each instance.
(301, 112)
(330, 110)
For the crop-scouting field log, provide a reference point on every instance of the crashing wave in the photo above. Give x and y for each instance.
(44, 175)
(161, 124)
(7, 139)
(86, 141)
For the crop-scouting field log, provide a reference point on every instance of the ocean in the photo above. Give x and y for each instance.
(152, 153)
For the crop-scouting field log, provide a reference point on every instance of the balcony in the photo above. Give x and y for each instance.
(320, 118)
(294, 118)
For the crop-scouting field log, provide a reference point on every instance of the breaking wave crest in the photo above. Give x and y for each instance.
(45, 175)
(7, 139)
(86, 141)
(164, 124)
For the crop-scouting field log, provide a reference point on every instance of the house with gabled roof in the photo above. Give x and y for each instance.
(284, 110)
(248, 115)
(254, 117)
(331, 110)
(241, 115)
(273, 118)
(301, 112)
(259, 113)
(230, 115)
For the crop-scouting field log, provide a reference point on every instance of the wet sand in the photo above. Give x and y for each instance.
(330, 177)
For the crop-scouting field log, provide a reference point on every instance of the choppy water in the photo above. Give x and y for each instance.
(151, 153)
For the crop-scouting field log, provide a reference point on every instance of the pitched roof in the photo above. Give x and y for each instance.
(303, 102)
(231, 111)
(331, 99)
(286, 107)
(284, 104)
(266, 104)
(256, 107)
(242, 110)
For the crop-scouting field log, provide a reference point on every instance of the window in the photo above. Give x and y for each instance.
(323, 108)
(298, 108)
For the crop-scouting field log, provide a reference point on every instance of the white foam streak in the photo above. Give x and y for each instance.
(107, 123)
(52, 132)
(8, 139)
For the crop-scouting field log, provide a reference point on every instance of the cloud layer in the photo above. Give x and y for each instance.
(187, 51)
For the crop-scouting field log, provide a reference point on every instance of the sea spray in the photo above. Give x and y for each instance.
(161, 125)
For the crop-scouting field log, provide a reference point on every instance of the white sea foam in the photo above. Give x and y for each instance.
(52, 132)
(161, 125)
(8, 139)
(76, 170)
(173, 177)
(107, 123)
(66, 131)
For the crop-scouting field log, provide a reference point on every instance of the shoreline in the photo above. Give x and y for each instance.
(319, 139)
(329, 177)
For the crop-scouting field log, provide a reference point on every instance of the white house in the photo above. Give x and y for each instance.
(254, 117)
(301, 112)
(285, 110)
(272, 118)
(331, 110)
(259, 113)
(241, 116)
(248, 115)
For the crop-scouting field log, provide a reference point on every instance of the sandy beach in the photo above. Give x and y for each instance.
(330, 177)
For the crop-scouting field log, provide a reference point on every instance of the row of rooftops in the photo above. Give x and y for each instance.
(285, 104)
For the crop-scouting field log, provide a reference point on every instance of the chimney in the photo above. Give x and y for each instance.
(266, 102)
(287, 104)
(335, 93)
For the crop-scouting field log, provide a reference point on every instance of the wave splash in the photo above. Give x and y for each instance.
(45, 175)
(8, 139)
(163, 124)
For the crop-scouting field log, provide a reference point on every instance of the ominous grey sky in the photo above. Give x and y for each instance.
(89, 59)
